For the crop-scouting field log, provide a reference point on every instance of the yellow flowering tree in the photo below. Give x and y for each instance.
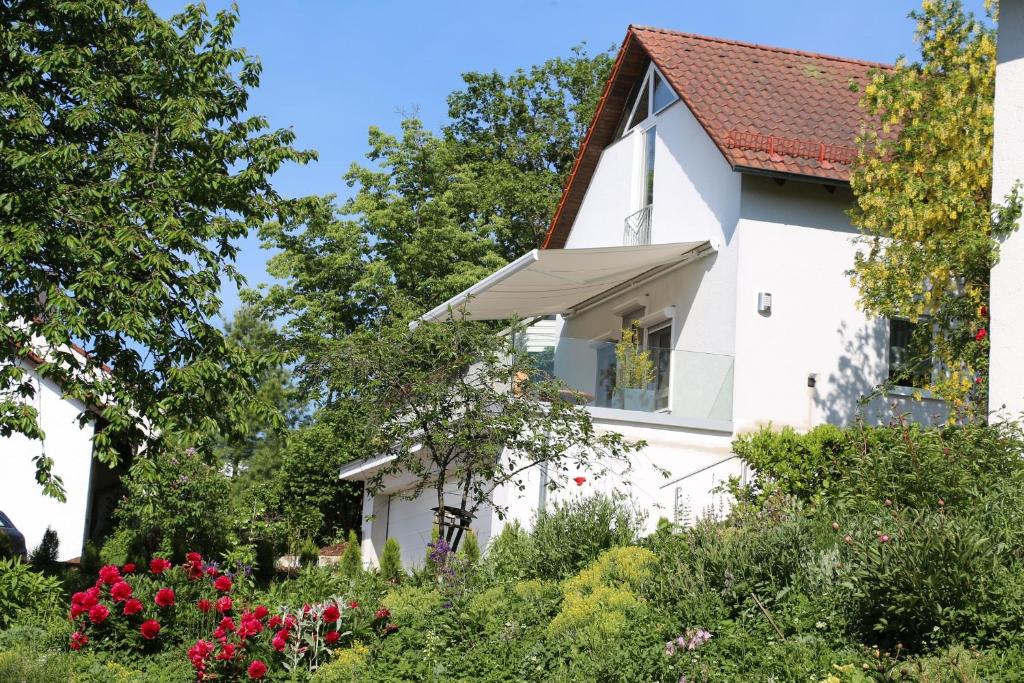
(923, 182)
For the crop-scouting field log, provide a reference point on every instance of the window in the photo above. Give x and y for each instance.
(659, 345)
(663, 96)
(653, 95)
(910, 362)
(648, 179)
(605, 375)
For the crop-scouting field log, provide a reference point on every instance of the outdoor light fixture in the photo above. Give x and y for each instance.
(764, 303)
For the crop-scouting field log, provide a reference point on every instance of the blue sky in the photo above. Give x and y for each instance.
(333, 68)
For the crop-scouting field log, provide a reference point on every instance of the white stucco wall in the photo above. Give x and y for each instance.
(1006, 383)
(70, 447)
(696, 194)
(796, 243)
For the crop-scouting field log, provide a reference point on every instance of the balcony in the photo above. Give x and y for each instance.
(674, 387)
(637, 229)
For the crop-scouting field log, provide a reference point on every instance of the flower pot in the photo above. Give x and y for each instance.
(636, 399)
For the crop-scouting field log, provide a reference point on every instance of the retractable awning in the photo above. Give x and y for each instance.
(558, 281)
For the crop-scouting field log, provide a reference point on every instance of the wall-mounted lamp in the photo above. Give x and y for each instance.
(764, 303)
(812, 380)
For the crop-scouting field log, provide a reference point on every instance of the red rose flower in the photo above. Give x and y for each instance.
(132, 606)
(164, 597)
(257, 670)
(128, 568)
(194, 558)
(250, 627)
(331, 614)
(223, 584)
(98, 613)
(76, 611)
(227, 652)
(280, 640)
(204, 605)
(198, 653)
(275, 621)
(260, 612)
(383, 613)
(353, 605)
(159, 565)
(150, 629)
(984, 311)
(224, 604)
(110, 574)
(580, 481)
(332, 637)
(121, 591)
(227, 623)
(90, 597)
(78, 639)
(982, 333)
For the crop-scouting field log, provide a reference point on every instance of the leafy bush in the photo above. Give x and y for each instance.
(565, 539)
(22, 588)
(176, 503)
(925, 578)
(801, 465)
(909, 464)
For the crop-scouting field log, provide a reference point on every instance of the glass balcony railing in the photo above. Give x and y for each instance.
(680, 383)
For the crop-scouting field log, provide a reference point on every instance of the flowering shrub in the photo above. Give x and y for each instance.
(230, 640)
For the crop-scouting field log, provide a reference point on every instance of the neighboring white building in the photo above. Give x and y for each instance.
(707, 205)
(92, 489)
(1006, 307)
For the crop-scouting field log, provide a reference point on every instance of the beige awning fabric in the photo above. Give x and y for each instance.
(557, 281)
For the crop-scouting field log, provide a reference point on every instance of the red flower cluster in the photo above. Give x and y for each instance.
(164, 598)
(226, 654)
(159, 565)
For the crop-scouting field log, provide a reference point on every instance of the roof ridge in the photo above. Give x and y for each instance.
(758, 46)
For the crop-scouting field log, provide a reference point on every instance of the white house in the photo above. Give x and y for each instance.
(1006, 372)
(92, 489)
(707, 207)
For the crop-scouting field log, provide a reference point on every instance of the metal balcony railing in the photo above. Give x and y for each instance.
(637, 229)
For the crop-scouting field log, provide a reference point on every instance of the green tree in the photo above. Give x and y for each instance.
(434, 212)
(128, 171)
(312, 498)
(923, 184)
(455, 407)
(391, 561)
(256, 450)
(351, 563)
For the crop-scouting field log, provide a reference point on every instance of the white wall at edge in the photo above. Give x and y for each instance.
(1006, 383)
(70, 447)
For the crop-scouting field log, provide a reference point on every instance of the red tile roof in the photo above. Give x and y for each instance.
(769, 110)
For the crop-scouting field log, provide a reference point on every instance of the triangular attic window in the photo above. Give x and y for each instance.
(643, 105)
(664, 95)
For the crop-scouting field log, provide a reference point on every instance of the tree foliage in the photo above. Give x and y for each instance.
(434, 212)
(923, 184)
(128, 169)
(461, 411)
(256, 450)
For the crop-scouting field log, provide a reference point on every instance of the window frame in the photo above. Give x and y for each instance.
(645, 94)
(908, 378)
(659, 327)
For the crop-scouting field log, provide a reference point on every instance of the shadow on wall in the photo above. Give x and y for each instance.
(862, 367)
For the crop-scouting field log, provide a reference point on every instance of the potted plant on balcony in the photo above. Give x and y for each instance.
(634, 373)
